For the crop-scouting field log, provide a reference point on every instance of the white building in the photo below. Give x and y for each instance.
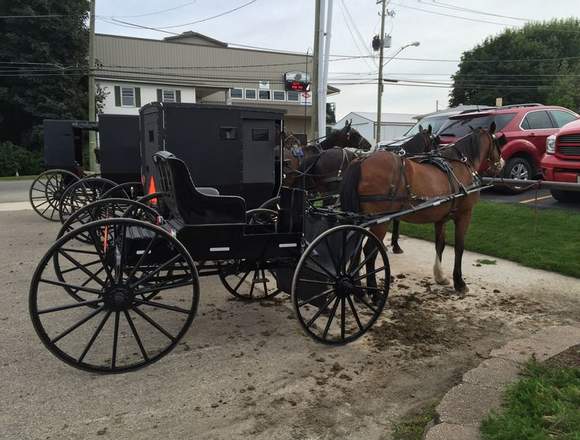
(393, 125)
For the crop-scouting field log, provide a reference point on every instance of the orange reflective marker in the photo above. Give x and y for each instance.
(152, 189)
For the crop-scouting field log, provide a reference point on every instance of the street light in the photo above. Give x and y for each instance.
(380, 91)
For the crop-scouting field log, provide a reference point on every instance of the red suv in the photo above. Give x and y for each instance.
(562, 160)
(526, 127)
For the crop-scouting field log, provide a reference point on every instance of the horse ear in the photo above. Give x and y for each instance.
(430, 130)
(492, 128)
(420, 128)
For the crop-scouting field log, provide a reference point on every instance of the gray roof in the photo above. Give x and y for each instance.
(395, 118)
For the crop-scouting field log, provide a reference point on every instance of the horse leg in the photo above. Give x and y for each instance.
(461, 226)
(439, 247)
(395, 238)
(380, 231)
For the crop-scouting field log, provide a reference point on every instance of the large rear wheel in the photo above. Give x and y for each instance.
(136, 293)
(82, 193)
(335, 293)
(46, 191)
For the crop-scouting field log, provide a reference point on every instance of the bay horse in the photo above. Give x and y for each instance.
(385, 182)
(319, 167)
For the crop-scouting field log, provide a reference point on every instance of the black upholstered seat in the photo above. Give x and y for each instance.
(193, 206)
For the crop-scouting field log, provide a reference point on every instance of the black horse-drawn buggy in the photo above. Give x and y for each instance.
(120, 286)
(65, 187)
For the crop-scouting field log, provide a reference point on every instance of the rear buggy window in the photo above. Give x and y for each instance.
(228, 133)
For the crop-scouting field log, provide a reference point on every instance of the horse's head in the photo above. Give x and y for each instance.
(493, 161)
(482, 150)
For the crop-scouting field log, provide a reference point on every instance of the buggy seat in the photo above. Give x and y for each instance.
(185, 201)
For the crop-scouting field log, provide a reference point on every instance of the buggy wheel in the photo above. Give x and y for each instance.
(82, 193)
(129, 190)
(136, 291)
(247, 281)
(334, 291)
(261, 216)
(46, 191)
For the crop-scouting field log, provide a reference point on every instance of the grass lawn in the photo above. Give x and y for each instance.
(548, 240)
(543, 405)
(17, 178)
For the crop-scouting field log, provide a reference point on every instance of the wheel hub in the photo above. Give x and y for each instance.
(118, 298)
(344, 287)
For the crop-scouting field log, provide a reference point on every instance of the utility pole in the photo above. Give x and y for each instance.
(318, 29)
(91, 90)
(380, 85)
(324, 77)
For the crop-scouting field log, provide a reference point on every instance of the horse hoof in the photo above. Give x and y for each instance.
(442, 281)
(397, 250)
(462, 289)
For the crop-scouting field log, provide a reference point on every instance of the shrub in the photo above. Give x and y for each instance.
(15, 159)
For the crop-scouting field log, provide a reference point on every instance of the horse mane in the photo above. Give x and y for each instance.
(468, 146)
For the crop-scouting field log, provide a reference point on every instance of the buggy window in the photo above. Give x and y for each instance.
(228, 133)
(260, 134)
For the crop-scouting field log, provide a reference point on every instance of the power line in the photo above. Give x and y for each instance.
(156, 12)
(35, 16)
(444, 5)
(477, 20)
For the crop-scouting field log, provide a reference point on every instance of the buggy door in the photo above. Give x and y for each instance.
(259, 163)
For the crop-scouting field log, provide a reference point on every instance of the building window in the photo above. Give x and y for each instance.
(264, 95)
(127, 96)
(279, 95)
(250, 93)
(236, 93)
(293, 96)
(169, 95)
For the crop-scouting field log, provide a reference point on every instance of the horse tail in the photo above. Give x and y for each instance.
(349, 199)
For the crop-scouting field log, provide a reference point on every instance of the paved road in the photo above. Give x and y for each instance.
(542, 199)
(14, 190)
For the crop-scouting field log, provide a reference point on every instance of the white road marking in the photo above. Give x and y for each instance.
(534, 199)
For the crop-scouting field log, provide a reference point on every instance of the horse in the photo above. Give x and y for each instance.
(423, 142)
(319, 167)
(386, 182)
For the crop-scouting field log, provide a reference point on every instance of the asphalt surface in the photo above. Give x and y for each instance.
(541, 199)
(14, 190)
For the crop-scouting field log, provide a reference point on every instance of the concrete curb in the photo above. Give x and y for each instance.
(463, 408)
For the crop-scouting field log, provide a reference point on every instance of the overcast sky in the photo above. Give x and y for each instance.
(289, 25)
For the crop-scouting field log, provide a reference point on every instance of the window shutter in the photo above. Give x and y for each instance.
(137, 97)
(159, 95)
(117, 96)
(178, 96)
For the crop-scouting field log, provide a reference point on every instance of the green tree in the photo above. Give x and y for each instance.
(43, 65)
(547, 70)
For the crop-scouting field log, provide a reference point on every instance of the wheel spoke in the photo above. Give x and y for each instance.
(308, 281)
(331, 255)
(330, 318)
(76, 325)
(115, 341)
(242, 280)
(92, 263)
(365, 261)
(264, 282)
(161, 306)
(319, 311)
(146, 317)
(142, 258)
(156, 271)
(94, 337)
(159, 288)
(70, 306)
(374, 272)
(315, 297)
(325, 270)
(342, 318)
(354, 312)
(71, 286)
(81, 267)
(364, 301)
(136, 335)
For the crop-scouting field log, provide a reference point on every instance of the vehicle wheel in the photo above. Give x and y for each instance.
(261, 216)
(335, 295)
(565, 196)
(82, 193)
(517, 168)
(129, 190)
(247, 281)
(107, 208)
(138, 293)
(46, 191)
